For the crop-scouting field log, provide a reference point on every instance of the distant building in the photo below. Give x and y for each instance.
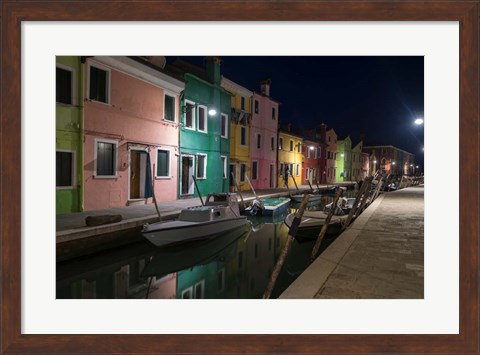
(356, 169)
(390, 160)
(315, 158)
(366, 165)
(344, 160)
(289, 157)
(331, 157)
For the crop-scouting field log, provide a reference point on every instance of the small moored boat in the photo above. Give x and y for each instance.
(313, 221)
(268, 206)
(220, 214)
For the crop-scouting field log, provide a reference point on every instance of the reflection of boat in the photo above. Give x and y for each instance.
(314, 221)
(259, 221)
(177, 258)
(268, 206)
(220, 214)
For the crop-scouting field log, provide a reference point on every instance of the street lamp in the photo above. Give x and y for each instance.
(419, 121)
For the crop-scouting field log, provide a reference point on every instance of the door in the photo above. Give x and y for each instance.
(138, 166)
(187, 172)
(272, 176)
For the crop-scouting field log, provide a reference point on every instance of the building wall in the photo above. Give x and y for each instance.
(390, 160)
(344, 160)
(194, 142)
(356, 169)
(292, 157)
(331, 156)
(134, 120)
(311, 166)
(69, 121)
(265, 125)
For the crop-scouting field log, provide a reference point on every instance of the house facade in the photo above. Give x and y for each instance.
(356, 169)
(204, 130)
(240, 138)
(311, 167)
(69, 126)
(344, 160)
(263, 138)
(331, 159)
(289, 157)
(388, 159)
(131, 128)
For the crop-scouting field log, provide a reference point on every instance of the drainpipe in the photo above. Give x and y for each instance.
(81, 187)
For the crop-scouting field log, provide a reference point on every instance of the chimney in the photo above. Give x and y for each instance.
(265, 87)
(289, 127)
(159, 61)
(213, 69)
(322, 132)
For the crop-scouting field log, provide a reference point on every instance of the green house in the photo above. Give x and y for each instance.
(204, 129)
(344, 160)
(69, 121)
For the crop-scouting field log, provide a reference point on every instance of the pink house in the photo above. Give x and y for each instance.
(131, 131)
(263, 147)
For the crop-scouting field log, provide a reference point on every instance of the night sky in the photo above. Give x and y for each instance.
(377, 97)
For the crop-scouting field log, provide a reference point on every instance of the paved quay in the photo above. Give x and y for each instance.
(381, 255)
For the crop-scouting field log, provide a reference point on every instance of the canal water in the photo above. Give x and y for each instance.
(236, 265)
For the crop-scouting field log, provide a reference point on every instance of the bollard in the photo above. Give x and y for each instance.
(316, 247)
(283, 255)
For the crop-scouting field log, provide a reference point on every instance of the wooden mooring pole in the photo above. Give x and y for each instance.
(283, 255)
(238, 190)
(323, 231)
(296, 186)
(360, 193)
(153, 194)
(198, 190)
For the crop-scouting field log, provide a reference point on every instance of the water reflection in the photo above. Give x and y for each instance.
(236, 265)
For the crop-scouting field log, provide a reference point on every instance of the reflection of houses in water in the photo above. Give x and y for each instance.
(113, 275)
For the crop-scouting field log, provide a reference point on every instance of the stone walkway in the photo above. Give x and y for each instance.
(380, 256)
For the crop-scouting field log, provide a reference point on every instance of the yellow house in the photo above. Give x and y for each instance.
(289, 156)
(240, 119)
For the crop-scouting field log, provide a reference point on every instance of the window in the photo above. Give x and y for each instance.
(201, 166)
(308, 152)
(169, 108)
(274, 113)
(199, 288)
(65, 162)
(64, 86)
(242, 103)
(297, 171)
(224, 127)
(255, 170)
(281, 168)
(291, 145)
(98, 86)
(272, 143)
(259, 141)
(186, 294)
(106, 158)
(202, 118)
(243, 172)
(318, 152)
(280, 143)
(163, 163)
(224, 165)
(189, 115)
(307, 171)
(256, 106)
(299, 147)
(243, 135)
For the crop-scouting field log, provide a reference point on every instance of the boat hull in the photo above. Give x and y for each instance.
(313, 221)
(276, 207)
(176, 232)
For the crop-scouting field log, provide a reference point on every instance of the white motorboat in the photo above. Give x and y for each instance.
(314, 221)
(220, 214)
